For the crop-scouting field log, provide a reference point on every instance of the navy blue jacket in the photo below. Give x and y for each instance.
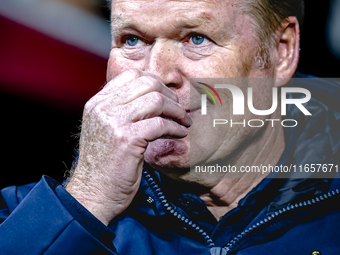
(279, 216)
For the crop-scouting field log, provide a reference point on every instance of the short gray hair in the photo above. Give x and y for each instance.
(268, 16)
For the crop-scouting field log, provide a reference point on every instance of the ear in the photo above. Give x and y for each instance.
(288, 50)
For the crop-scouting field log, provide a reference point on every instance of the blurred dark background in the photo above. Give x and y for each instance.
(53, 56)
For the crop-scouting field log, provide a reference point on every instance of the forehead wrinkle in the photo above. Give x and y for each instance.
(184, 21)
(175, 19)
(118, 22)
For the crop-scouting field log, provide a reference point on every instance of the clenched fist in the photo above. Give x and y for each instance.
(131, 110)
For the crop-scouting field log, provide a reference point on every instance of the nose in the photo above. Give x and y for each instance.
(163, 61)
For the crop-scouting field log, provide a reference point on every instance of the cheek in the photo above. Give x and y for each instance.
(118, 64)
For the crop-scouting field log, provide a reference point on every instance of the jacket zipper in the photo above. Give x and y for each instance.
(234, 243)
(172, 210)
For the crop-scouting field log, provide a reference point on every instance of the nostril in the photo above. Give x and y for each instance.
(171, 85)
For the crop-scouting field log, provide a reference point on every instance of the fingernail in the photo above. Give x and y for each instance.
(187, 121)
(185, 130)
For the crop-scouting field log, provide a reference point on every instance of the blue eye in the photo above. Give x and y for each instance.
(198, 39)
(133, 40)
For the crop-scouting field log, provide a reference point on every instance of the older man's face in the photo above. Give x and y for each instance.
(178, 40)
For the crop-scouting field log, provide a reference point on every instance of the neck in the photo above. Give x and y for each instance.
(266, 150)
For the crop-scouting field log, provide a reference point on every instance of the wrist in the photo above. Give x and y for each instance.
(98, 206)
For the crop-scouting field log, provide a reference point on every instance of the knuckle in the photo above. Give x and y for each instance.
(120, 137)
(135, 128)
(157, 98)
(147, 83)
(108, 84)
(102, 112)
(117, 98)
(89, 105)
(134, 72)
(138, 82)
(152, 83)
(183, 114)
(159, 122)
(96, 111)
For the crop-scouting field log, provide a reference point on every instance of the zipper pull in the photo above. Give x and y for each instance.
(218, 251)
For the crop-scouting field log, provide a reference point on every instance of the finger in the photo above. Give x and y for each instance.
(139, 87)
(113, 87)
(120, 80)
(147, 84)
(145, 73)
(156, 104)
(154, 128)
